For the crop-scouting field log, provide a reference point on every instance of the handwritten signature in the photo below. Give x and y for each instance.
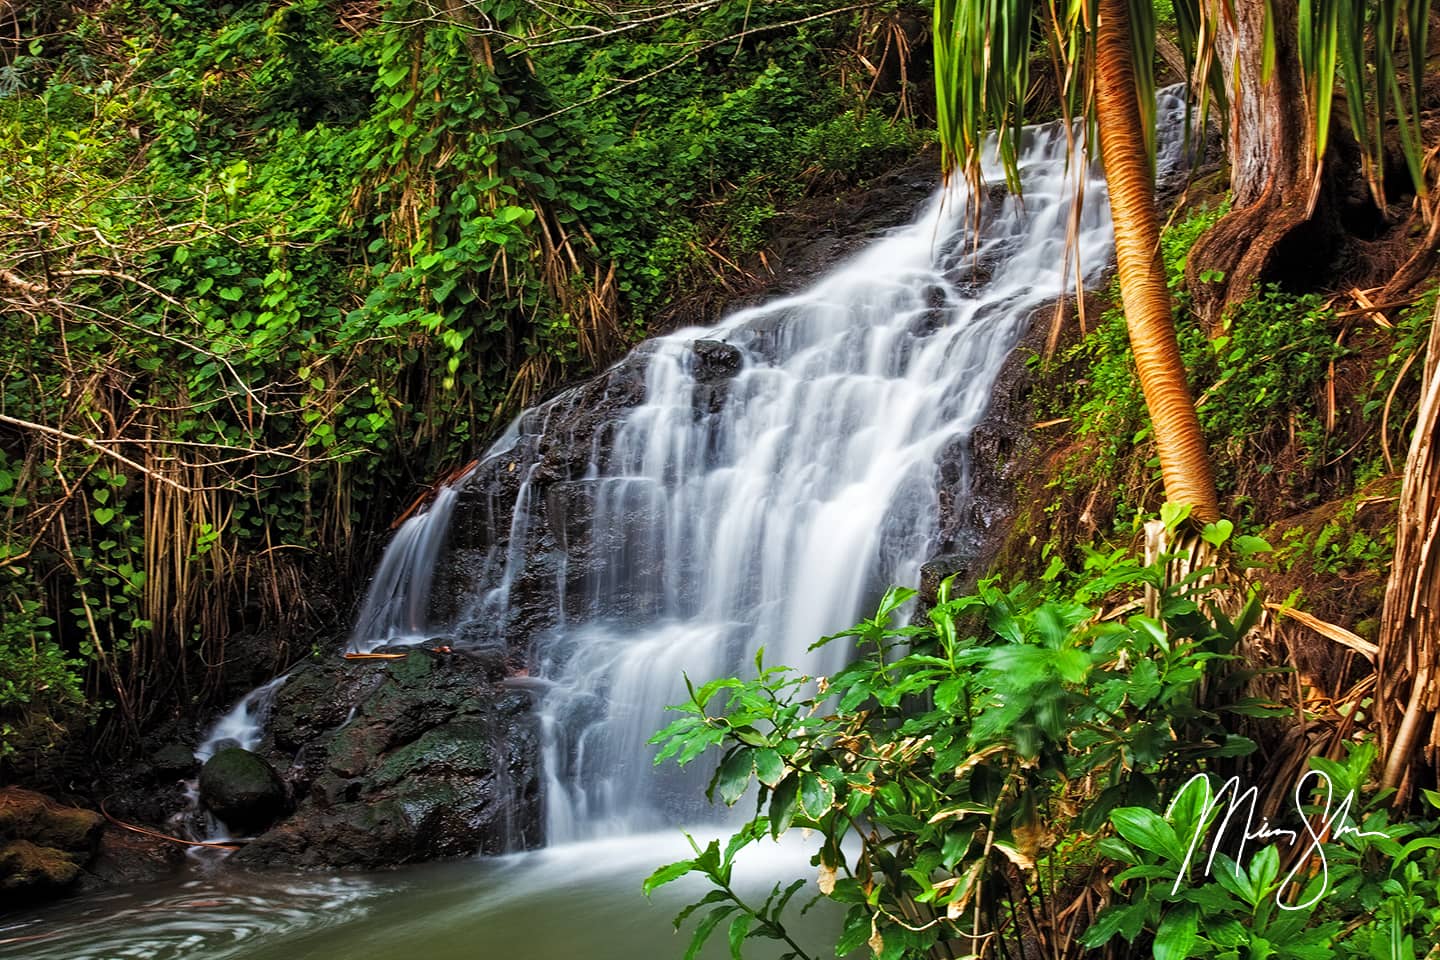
(1329, 826)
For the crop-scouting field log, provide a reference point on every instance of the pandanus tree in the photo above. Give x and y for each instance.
(1271, 68)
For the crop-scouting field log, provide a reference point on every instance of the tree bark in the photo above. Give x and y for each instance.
(1273, 179)
(1184, 466)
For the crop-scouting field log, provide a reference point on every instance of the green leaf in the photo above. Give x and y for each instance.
(734, 775)
(513, 214)
(782, 803)
(1175, 939)
(1111, 920)
(749, 736)
(393, 75)
(666, 874)
(738, 928)
(769, 768)
(1144, 683)
(1147, 830)
(705, 928)
(816, 796)
(1217, 533)
(1264, 868)
(103, 515)
(855, 932)
(1173, 514)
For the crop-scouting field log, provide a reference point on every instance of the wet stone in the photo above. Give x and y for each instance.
(716, 360)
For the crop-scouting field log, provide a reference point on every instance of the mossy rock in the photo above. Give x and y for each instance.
(242, 789)
(27, 815)
(452, 750)
(28, 868)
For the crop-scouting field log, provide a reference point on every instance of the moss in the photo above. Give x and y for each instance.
(27, 815)
(463, 748)
(27, 867)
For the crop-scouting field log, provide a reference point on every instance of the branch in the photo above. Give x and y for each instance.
(696, 51)
(93, 445)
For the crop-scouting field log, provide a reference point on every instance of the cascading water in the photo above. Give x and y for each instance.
(243, 724)
(399, 595)
(767, 510)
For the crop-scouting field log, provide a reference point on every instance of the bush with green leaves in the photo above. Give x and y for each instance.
(1354, 885)
(953, 769)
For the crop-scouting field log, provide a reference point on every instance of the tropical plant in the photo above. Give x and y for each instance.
(952, 769)
(1253, 57)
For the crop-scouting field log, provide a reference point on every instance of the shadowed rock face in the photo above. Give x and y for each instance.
(394, 761)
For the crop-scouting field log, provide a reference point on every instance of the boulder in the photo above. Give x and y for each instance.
(716, 360)
(242, 789)
(127, 857)
(27, 815)
(390, 762)
(43, 844)
(30, 870)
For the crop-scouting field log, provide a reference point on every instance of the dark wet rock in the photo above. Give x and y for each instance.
(557, 444)
(936, 570)
(174, 760)
(125, 856)
(716, 360)
(242, 789)
(394, 761)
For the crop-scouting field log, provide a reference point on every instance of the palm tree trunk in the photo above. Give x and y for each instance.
(1184, 467)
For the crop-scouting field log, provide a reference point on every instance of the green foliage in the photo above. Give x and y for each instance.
(1371, 890)
(268, 268)
(943, 767)
(983, 55)
(727, 140)
(36, 675)
(1253, 381)
(1338, 547)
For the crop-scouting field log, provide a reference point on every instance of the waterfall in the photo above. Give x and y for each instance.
(243, 725)
(766, 502)
(399, 595)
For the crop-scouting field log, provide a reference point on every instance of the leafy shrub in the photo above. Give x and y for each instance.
(943, 767)
(1360, 886)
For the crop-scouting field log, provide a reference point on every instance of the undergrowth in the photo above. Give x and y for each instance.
(271, 269)
(1041, 769)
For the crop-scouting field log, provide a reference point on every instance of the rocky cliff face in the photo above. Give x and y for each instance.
(424, 757)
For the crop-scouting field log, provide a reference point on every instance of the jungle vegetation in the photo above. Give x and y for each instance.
(271, 269)
(988, 780)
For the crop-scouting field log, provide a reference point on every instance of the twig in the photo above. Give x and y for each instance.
(165, 836)
(93, 445)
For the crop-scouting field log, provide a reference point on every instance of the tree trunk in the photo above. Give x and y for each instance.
(1184, 467)
(1271, 145)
